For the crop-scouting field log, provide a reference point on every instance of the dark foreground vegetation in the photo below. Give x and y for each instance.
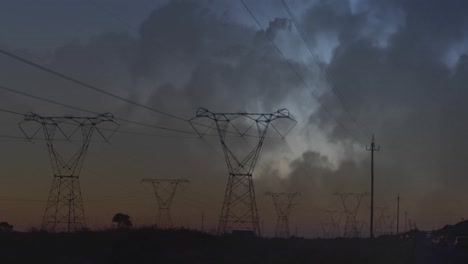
(185, 246)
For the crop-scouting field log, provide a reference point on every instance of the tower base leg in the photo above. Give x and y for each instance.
(64, 211)
(239, 211)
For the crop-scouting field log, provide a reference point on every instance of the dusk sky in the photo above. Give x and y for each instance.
(395, 68)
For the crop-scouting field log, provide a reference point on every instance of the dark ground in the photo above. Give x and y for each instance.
(183, 246)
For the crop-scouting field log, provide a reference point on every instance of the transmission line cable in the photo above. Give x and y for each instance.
(94, 88)
(93, 112)
(89, 86)
(11, 112)
(87, 111)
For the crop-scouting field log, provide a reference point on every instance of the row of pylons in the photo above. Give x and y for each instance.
(65, 212)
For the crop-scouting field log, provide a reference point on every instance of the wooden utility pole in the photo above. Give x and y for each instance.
(398, 215)
(372, 148)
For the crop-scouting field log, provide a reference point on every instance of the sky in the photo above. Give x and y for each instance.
(396, 69)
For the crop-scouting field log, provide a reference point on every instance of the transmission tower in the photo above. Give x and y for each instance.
(384, 222)
(380, 224)
(64, 211)
(326, 230)
(360, 227)
(239, 211)
(164, 190)
(351, 209)
(284, 203)
(390, 220)
(332, 227)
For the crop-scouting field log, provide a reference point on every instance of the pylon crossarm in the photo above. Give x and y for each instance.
(265, 118)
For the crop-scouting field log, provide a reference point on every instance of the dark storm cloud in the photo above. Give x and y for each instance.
(108, 54)
(277, 25)
(226, 66)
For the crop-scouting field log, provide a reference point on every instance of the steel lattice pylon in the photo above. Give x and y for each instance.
(384, 223)
(331, 229)
(64, 211)
(351, 228)
(164, 190)
(284, 203)
(239, 211)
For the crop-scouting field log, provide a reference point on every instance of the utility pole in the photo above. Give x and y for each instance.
(406, 216)
(372, 148)
(398, 215)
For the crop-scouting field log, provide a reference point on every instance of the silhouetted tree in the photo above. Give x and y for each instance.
(5, 227)
(122, 220)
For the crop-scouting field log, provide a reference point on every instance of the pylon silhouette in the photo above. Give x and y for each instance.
(351, 229)
(65, 211)
(284, 203)
(384, 223)
(164, 190)
(331, 229)
(239, 211)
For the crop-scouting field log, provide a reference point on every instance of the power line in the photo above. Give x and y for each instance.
(25, 139)
(84, 84)
(7, 199)
(21, 139)
(18, 138)
(93, 112)
(332, 84)
(91, 87)
(15, 138)
(87, 111)
(117, 198)
(295, 71)
(11, 112)
(116, 118)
